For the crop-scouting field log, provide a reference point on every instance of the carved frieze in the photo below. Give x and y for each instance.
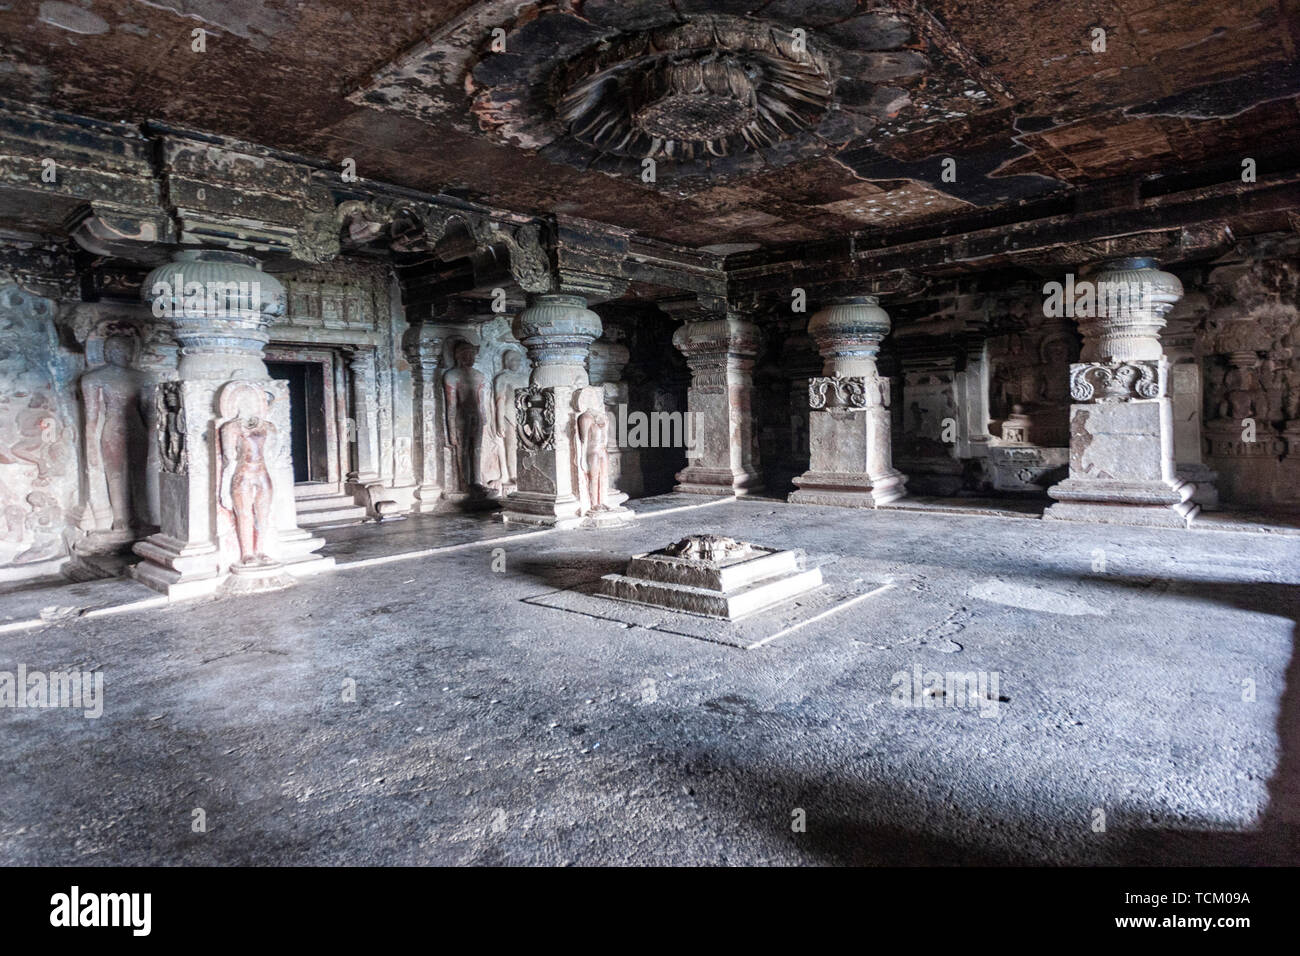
(851, 392)
(1104, 382)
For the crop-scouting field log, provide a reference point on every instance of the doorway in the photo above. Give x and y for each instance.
(308, 416)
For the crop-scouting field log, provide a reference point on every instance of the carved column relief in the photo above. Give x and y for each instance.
(561, 421)
(228, 517)
(1121, 421)
(720, 353)
(609, 356)
(38, 436)
(849, 426)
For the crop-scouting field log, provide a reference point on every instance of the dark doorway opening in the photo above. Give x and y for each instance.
(307, 418)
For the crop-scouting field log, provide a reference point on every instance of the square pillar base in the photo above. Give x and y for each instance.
(1122, 449)
(849, 446)
(1158, 504)
(846, 490)
(695, 480)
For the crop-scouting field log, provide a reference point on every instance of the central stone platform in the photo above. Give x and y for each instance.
(713, 576)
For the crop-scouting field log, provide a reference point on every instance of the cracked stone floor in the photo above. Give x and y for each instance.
(490, 729)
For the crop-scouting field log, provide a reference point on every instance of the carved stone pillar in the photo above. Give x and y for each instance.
(1121, 419)
(227, 506)
(365, 419)
(849, 425)
(423, 344)
(606, 363)
(1187, 396)
(562, 456)
(723, 451)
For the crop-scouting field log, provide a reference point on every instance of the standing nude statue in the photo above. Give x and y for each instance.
(593, 439)
(115, 433)
(247, 440)
(465, 391)
(508, 379)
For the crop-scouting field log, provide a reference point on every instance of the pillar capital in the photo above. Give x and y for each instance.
(422, 343)
(557, 330)
(1132, 298)
(727, 335)
(220, 305)
(848, 332)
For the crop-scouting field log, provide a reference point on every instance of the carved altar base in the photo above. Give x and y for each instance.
(713, 576)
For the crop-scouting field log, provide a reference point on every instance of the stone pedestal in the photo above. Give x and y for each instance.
(555, 458)
(849, 424)
(714, 577)
(228, 514)
(722, 450)
(1121, 420)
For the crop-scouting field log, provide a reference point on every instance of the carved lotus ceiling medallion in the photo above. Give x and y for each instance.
(606, 84)
(713, 86)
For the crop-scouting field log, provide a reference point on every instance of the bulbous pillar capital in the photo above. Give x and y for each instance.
(731, 335)
(848, 332)
(220, 305)
(608, 359)
(557, 330)
(422, 343)
(1132, 298)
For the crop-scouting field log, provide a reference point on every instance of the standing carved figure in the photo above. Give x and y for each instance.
(115, 433)
(247, 439)
(593, 451)
(507, 380)
(171, 411)
(465, 391)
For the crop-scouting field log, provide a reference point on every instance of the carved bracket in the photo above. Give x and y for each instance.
(421, 227)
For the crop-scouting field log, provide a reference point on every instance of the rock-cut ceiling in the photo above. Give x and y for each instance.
(768, 121)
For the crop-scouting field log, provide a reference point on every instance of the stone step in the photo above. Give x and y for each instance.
(329, 510)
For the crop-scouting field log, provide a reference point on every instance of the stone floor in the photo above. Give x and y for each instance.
(493, 723)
